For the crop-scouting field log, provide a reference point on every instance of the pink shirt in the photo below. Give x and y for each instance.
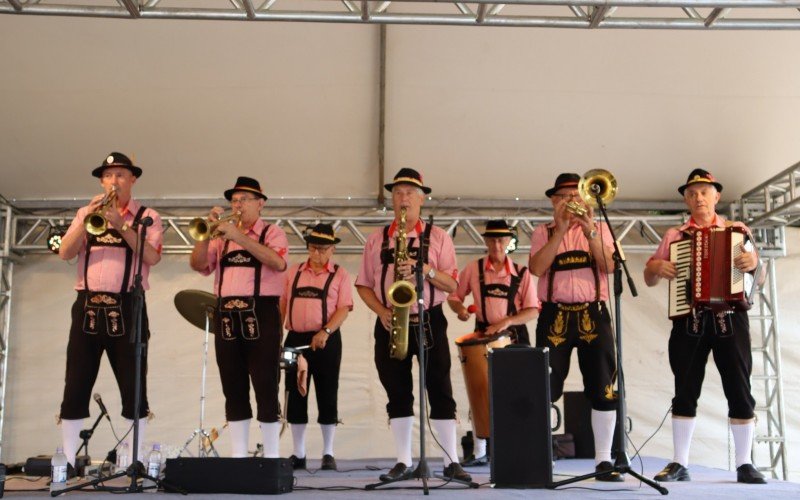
(241, 280)
(306, 313)
(107, 264)
(674, 234)
(570, 287)
(496, 307)
(441, 256)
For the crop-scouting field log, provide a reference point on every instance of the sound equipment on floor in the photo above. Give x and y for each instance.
(519, 396)
(254, 476)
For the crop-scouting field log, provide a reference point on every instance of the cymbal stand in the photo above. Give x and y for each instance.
(200, 433)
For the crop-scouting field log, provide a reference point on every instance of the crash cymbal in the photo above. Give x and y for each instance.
(195, 305)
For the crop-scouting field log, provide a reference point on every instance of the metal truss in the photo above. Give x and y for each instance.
(775, 203)
(639, 229)
(588, 14)
(6, 273)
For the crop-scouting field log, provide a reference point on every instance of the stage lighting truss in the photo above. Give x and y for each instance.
(588, 14)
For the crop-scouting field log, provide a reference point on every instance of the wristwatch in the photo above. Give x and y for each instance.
(327, 330)
(592, 235)
(432, 273)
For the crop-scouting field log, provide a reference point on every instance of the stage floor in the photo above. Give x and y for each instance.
(354, 475)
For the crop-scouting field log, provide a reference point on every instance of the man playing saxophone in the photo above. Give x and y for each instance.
(379, 270)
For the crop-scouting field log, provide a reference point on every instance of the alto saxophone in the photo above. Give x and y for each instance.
(401, 295)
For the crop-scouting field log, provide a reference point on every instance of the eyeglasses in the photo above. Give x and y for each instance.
(319, 249)
(568, 196)
(235, 201)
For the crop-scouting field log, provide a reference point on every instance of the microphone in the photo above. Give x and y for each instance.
(144, 221)
(99, 401)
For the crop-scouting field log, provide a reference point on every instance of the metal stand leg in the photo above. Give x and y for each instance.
(204, 436)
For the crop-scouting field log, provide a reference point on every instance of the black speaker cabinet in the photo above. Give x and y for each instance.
(519, 407)
(264, 476)
(577, 421)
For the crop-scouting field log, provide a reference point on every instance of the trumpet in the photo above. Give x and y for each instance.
(201, 229)
(594, 183)
(96, 223)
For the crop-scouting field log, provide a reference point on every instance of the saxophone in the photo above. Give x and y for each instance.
(401, 295)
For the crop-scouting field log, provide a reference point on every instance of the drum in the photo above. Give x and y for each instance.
(473, 351)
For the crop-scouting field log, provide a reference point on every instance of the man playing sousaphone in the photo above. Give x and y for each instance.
(248, 259)
(504, 298)
(571, 256)
(103, 236)
(376, 276)
(317, 299)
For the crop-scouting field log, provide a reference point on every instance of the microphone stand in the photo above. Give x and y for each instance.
(622, 463)
(422, 471)
(86, 435)
(135, 470)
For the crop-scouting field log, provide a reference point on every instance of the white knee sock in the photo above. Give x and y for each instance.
(271, 434)
(682, 430)
(446, 433)
(480, 447)
(603, 423)
(328, 432)
(240, 437)
(142, 428)
(401, 430)
(299, 439)
(71, 437)
(743, 442)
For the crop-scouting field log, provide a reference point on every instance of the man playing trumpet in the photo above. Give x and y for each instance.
(103, 236)
(375, 278)
(248, 260)
(504, 297)
(572, 256)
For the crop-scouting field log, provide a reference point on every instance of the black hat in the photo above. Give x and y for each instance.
(699, 175)
(245, 184)
(563, 181)
(321, 234)
(408, 176)
(117, 160)
(497, 229)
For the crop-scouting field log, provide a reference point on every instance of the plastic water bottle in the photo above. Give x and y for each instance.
(58, 470)
(122, 456)
(153, 469)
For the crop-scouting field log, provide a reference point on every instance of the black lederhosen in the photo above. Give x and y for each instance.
(499, 291)
(248, 343)
(323, 364)
(103, 321)
(727, 335)
(395, 375)
(587, 326)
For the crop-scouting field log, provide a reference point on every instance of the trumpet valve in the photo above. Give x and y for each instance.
(576, 208)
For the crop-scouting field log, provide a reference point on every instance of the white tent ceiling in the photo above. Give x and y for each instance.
(482, 112)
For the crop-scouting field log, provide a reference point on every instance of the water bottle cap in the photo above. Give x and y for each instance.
(156, 446)
(59, 450)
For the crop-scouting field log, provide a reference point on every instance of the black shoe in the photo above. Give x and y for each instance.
(454, 471)
(673, 472)
(398, 473)
(473, 461)
(611, 477)
(749, 475)
(297, 463)
(328, 462)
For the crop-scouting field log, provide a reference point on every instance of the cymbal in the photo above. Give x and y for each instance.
(195, 305)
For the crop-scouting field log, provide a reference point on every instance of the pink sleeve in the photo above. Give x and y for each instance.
(463, 288)
(276, 240)
(77, 224)
(446, 260)
(366, 271)
(345, 298)
(214, 249)
(538, 238)
(662, 252)
(155, 233)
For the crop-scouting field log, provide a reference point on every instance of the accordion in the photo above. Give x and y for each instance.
(707, 278)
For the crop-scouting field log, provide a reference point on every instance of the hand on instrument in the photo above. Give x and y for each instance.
(561, 216)
(113, 217)
(586, 221)
(386, 318)
(494, 328)
(227, 230)
(94, 204)
(406, 269)
(745, 261)
(214, 213)
(465, 313)
(319, 340)
(663, 268)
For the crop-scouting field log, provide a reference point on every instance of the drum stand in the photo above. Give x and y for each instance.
(622, 463)
(200, 433)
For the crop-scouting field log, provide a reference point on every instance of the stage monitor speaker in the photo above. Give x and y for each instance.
(519, 406)
(577, 413)
(255, 476)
